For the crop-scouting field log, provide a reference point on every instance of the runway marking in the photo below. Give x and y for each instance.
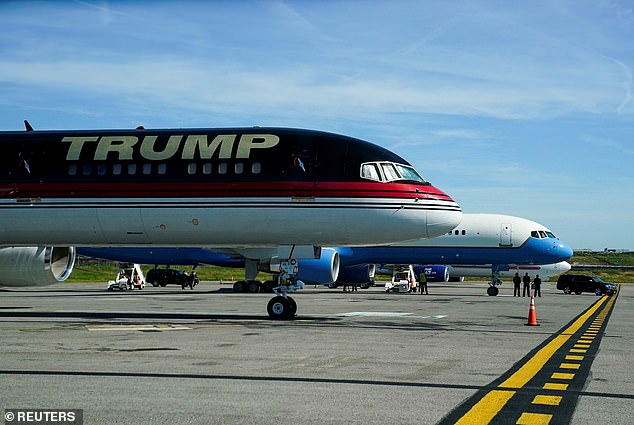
(387, 314)
(137, 327)
(538, 377)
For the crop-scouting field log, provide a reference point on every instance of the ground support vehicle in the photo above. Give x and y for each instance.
(403, 280)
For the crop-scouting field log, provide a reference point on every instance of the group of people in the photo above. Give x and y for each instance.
(526, 280)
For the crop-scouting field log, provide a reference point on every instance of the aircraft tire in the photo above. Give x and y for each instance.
(239, 286)
(293, 310)
(279, 308)
(492, 291)
(253, 286)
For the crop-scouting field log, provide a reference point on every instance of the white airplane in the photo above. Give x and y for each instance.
(274, 195)
(494, 241)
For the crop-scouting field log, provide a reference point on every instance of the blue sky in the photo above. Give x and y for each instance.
(521, 108)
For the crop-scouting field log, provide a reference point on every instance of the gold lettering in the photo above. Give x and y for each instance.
(120, 144)
(205, 149)
(248, 142)
(76, 145)
(148, 152)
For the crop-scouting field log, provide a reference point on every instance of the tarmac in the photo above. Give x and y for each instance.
(209, 356)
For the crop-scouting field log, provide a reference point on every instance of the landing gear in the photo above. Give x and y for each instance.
(283, 307)
(493, 290)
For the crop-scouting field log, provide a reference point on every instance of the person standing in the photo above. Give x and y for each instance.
(527, 285)
(423, 283)
(516, 285)
(537, 283)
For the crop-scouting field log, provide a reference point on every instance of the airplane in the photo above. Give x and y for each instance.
(482, 239)
(492, 240)
(273, 195)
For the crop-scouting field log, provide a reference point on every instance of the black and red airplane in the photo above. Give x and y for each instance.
(275, 194)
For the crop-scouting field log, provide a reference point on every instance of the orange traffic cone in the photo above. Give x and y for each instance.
(532, 317)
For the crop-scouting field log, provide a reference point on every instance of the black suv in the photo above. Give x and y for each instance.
(162, 277)
(579, 283)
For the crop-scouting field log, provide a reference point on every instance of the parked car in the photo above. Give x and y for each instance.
(579, 283)
(163, 277)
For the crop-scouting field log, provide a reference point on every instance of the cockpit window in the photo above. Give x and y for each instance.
(389, 171)
(371, 172)
(541, 234)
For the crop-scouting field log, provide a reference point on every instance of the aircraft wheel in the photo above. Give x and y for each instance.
(239, 286)
(279, 308)
(492, 291)
(253, 286)
(293, 304)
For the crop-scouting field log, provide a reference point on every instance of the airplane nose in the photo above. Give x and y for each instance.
(441, 222)
(564, 251)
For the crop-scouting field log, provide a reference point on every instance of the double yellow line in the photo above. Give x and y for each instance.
(494, 401)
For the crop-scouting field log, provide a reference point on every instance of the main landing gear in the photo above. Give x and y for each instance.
(283, 307)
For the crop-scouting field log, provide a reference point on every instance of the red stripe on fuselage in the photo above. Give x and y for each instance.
(224, 190)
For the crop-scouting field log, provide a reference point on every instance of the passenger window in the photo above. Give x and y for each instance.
(101, 169)
(72, 170)
(456, 232)
(86, 169)
(222, 168)
(147, 168)
(162, 168)
(239, 168)
(131, 169)
(256, 168)
(191, 168)
(207, 168)
(464, 232)
(116, 169)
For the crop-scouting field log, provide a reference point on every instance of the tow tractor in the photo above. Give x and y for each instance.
(130, 276)
(403, 280)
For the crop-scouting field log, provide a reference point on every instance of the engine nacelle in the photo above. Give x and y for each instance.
(322, 271)
(35, 266)
(433, 273)
(362, 274)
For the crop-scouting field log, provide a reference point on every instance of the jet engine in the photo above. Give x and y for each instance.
(362, 274)
(35, 266)
(322, 271)
(433, 273)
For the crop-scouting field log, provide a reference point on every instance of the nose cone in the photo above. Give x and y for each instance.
(441, 222)
(563, 251)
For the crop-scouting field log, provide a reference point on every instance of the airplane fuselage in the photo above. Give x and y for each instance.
(235, 187)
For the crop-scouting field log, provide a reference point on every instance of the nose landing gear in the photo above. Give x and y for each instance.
(283, 307)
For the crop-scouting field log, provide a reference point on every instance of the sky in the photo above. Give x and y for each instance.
(520, 108)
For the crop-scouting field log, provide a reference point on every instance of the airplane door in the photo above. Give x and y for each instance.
(505, 234)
